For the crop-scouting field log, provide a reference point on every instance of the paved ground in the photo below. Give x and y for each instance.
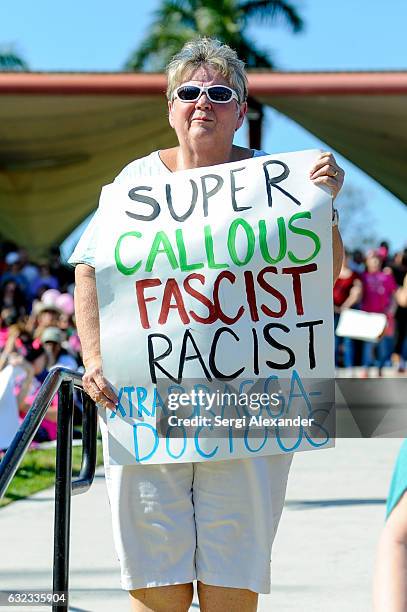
(323, 553)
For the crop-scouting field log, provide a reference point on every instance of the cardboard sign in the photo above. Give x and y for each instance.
(216, 283)
(360, 325)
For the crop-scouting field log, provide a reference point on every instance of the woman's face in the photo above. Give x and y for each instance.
(373, 263)
(204, 123)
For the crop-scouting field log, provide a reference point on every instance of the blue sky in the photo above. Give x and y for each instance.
(97, 35)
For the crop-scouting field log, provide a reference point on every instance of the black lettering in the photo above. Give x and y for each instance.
(190, 210)
(291, 359)
(272, 181)
(133, 195)
(255, 351)
(234, 189)
(311, 348)
(197, 355)
(208, 194)
(217, 373)
(153, 360)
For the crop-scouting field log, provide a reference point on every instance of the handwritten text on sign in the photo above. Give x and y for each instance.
(220, 274)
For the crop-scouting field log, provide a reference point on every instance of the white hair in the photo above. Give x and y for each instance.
(207, 52)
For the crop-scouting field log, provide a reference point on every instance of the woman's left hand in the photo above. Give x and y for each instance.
(326, 172)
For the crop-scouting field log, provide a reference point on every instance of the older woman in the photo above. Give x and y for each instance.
(211, 521)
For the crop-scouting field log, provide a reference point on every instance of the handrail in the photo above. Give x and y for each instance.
(60, 380)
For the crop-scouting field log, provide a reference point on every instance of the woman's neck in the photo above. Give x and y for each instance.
(188, 157)
(184, 158)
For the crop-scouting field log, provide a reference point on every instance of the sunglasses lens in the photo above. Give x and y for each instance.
(188, 93)
(218, 93)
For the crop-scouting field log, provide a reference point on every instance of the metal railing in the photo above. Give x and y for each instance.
(62, 381)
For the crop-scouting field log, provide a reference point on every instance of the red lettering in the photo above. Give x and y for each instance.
(296, 272)
(218, 309)
(141, 299)
(274, 292)
(172, 291)
(201, 298)
(251, 295)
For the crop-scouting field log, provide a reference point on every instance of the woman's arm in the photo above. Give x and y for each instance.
(355, 295)
(338, 252)
(326, 172)
(87, 321)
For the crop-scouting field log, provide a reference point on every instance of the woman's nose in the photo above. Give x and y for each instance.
(203, 101)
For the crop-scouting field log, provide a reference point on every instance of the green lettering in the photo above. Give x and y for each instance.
(119, 264)
(161, 238)
(209, 250)
(282, 239)
(303, 232)
(184, 265)
(232, 241)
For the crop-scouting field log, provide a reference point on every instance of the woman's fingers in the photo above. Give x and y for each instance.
(105, 387)
(329, 182)
(98, 396)
(326, 172)
(99, 389)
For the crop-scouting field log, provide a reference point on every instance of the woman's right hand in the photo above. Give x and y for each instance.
(97, 386)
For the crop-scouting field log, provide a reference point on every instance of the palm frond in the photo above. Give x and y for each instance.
(176, 10)
(10, 60)
(268, 11)
(156, 50)
(178, 21)
(253, 56)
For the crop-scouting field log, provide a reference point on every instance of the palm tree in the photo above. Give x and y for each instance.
(178, 21)
(10, 60)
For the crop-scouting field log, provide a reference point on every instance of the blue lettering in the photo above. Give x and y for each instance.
(315, 424)
(129, 391)
(119, 406)
(141, 407)
(246, 440)
(136, 446)
(168, 438)
(280, 397)
(198, 448)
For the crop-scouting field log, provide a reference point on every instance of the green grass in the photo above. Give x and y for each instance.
(37, 472)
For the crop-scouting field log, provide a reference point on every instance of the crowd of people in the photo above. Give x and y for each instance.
(373, 282)
(37, 323)
(37, 331)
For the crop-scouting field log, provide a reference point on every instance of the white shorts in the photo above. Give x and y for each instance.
(212, 521)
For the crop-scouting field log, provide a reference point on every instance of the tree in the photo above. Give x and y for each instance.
(178, 21)
(357, 227)
(10, 60)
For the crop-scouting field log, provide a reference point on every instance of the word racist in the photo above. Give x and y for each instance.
(190, 351)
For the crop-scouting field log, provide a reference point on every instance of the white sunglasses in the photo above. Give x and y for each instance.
(219, 94)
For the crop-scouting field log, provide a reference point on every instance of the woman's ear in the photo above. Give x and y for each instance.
(242, 112)
(170, 114)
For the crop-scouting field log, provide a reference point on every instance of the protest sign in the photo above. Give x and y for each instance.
(212, 281)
